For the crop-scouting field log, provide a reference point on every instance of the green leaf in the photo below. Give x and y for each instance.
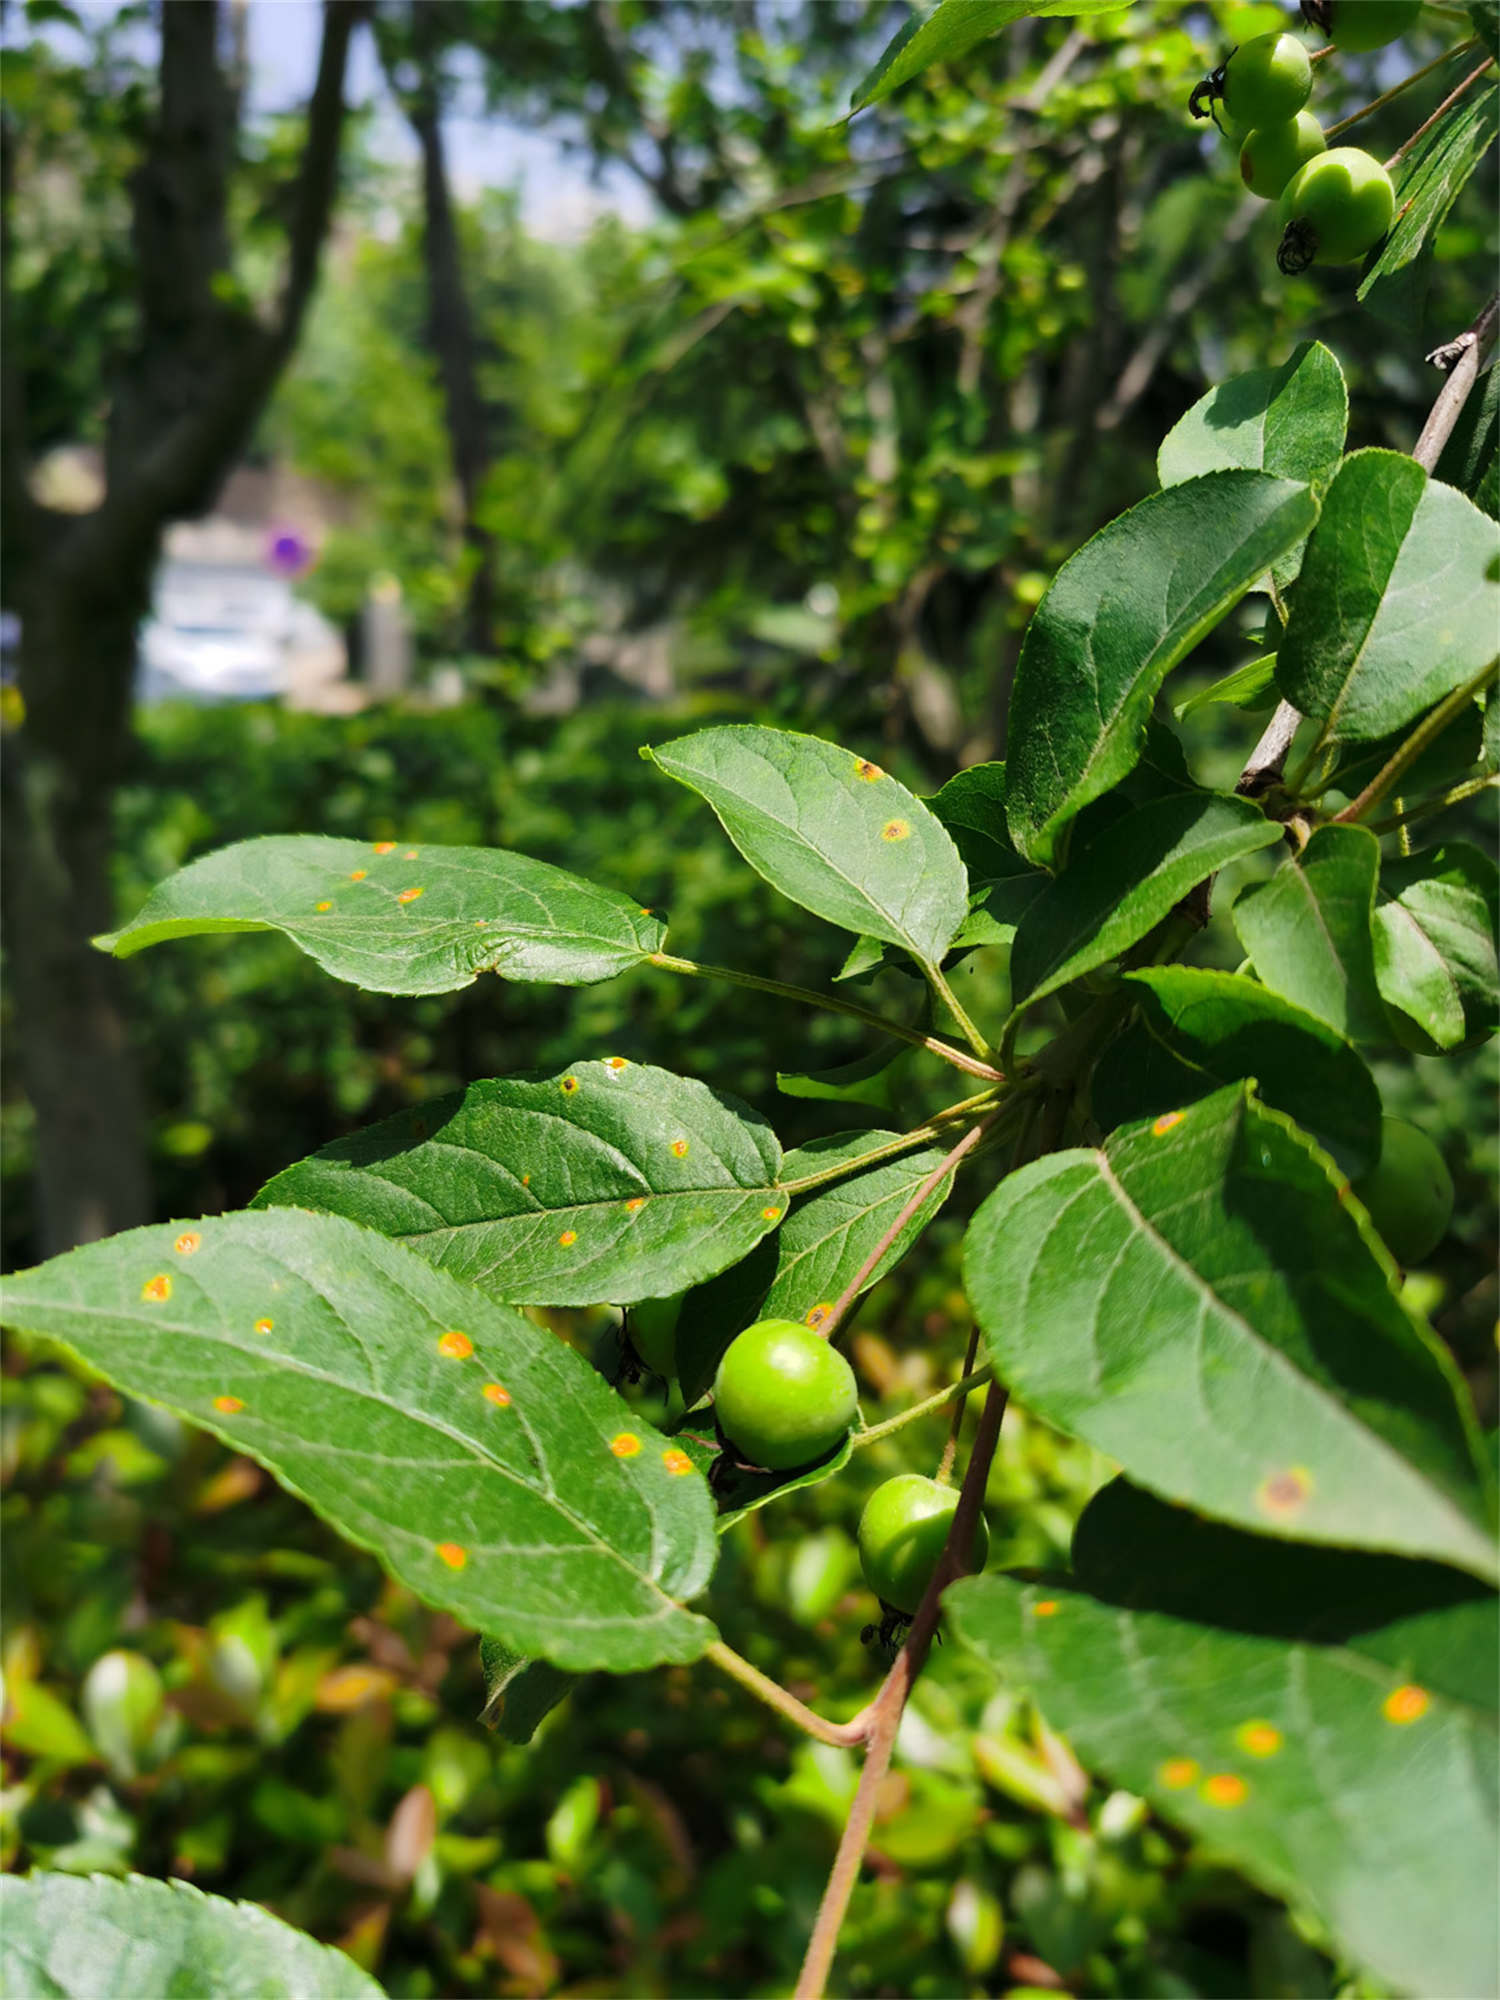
(1433, 174)
(1118, 617)
(1449, 756)
(1307, 931)
(1326, 1776)
(64, 1937)
(606, 1183)
(479, 1457)
(972, 807)
(869, 1079)
(742, 1491)
(1471, 457)
(1289, 421)
(1244, 688)
(1397, 603)
(831, 831)
(1434, 937)
(821, 1245)
(398, 919)
(39, 1723)
(1203, 1302)
(1206, 1029)
(949, 32)
(1125, 881)
(519, 1693)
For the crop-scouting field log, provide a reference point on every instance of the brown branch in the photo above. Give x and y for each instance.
(1447, 105)
(317, 180)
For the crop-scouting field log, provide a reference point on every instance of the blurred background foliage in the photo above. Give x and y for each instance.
(808, 441)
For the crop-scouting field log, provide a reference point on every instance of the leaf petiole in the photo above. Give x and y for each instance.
(935, 1128)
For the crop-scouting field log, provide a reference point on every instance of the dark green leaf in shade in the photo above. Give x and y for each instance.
(1326, 1775)
(972, 807)
(1397, 603)
(519, 1693)
(610, 1182)
(1471, 457)
(869, 1080)
(741, 1490)
(1307, 931)
(1120, 886)
(1485, 15)
(71, 1937)
(817, 1251)
(1435, 959)
(1203, 1029)
(395, 918)
(830, 830)
(1449, 756)
(949, 32)
(1431, 177)
(484, 1461)
(1289, 420)
(1204, 1302)
(1117, 618)
(1250, 686)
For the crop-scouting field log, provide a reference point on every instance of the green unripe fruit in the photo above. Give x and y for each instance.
(1409, 1192)
(1266, 81)
(901, 1535)
(1335, 208)
(1356, 26)
(783, 1396)
(1273, 153)
(653, 1333)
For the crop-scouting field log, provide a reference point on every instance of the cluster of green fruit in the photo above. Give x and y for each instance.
(1336, 202)
(785, 1398)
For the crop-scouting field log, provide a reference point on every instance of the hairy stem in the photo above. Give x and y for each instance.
(1396, 89)
(774, 1695)
(1402, 759)
(935, 1128)
(830, 1004)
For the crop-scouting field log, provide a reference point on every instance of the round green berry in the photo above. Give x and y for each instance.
(902, 1533)
(783, 1396)
(1408, 1192)
(1272, 153)
(653, 1333)
(1335, 207)
(1266, 81)
(1356, 26)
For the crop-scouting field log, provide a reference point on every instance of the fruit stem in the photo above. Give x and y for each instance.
(965, 1385)
(1396, 89)
(883, 1717)
(774, 1695)
(830, 1004)
(950, 1000)
(1447, 105)
(936, 1126)
(1402, 759)
(1428, 807)
(950, 1450)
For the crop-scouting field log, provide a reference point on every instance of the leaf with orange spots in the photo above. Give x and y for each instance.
(393, 924)
(604, 1184)
(366, 1396)
(1283, 1752)
(862, 853)
(1204, 1305)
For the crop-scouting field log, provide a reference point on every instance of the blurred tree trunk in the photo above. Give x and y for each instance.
(183, 404)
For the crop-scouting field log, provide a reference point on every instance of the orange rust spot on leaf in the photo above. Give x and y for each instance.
(645, 912)
(358, 874)
(1283, 1493)
(228, 1405)
(453, 1554)
(636, 1201)
(1178, 1773)
(1226, 1789)
(818, 1314)
(677, 1461)
(408, 895)
(770, 1215)
(263, 1326)
(385, 847)
(568, 1085)
(457, 1346)
(679, 1149)
(1259, 1739)
(626, 1445)
(868, 771)
(493, 1393)
(324, 906)
(156, 1289)
(895, 829)
(526, 1180)
(187, 1242)
(568, 1238)
(616, 1063)
(1407, 1703)
(1045, 1607)
(1168, 1122)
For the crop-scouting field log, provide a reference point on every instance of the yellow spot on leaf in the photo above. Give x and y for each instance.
(677, 1461)
(1168, 1122)
(158, 1288)
(324, 906)
(868, 771)
(818, 1314)
(526, 1180)
(385, 847)
(480, 922)
(187, 1243)
(228, 1405)
(1046, 1607)
(452, 1554)
(1226, 1789)
(645, 912)
(263, 1325)
(679, 1149)
(408, 895)
(895, 829)
(1178, 1773)
(568, 1085)
(770, 1215)
(358, 874)
(1283, 1493)
(568, 1238)
(493, 1393)
(457, 1346)
(626, 1445)
(616, 1063)
(636, 1201)
(1258, 1739)
(1408, 1703)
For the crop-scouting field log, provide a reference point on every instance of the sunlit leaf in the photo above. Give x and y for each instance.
(949, 32)
(1288, 420)
(1429, 181)
(1307, 931)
